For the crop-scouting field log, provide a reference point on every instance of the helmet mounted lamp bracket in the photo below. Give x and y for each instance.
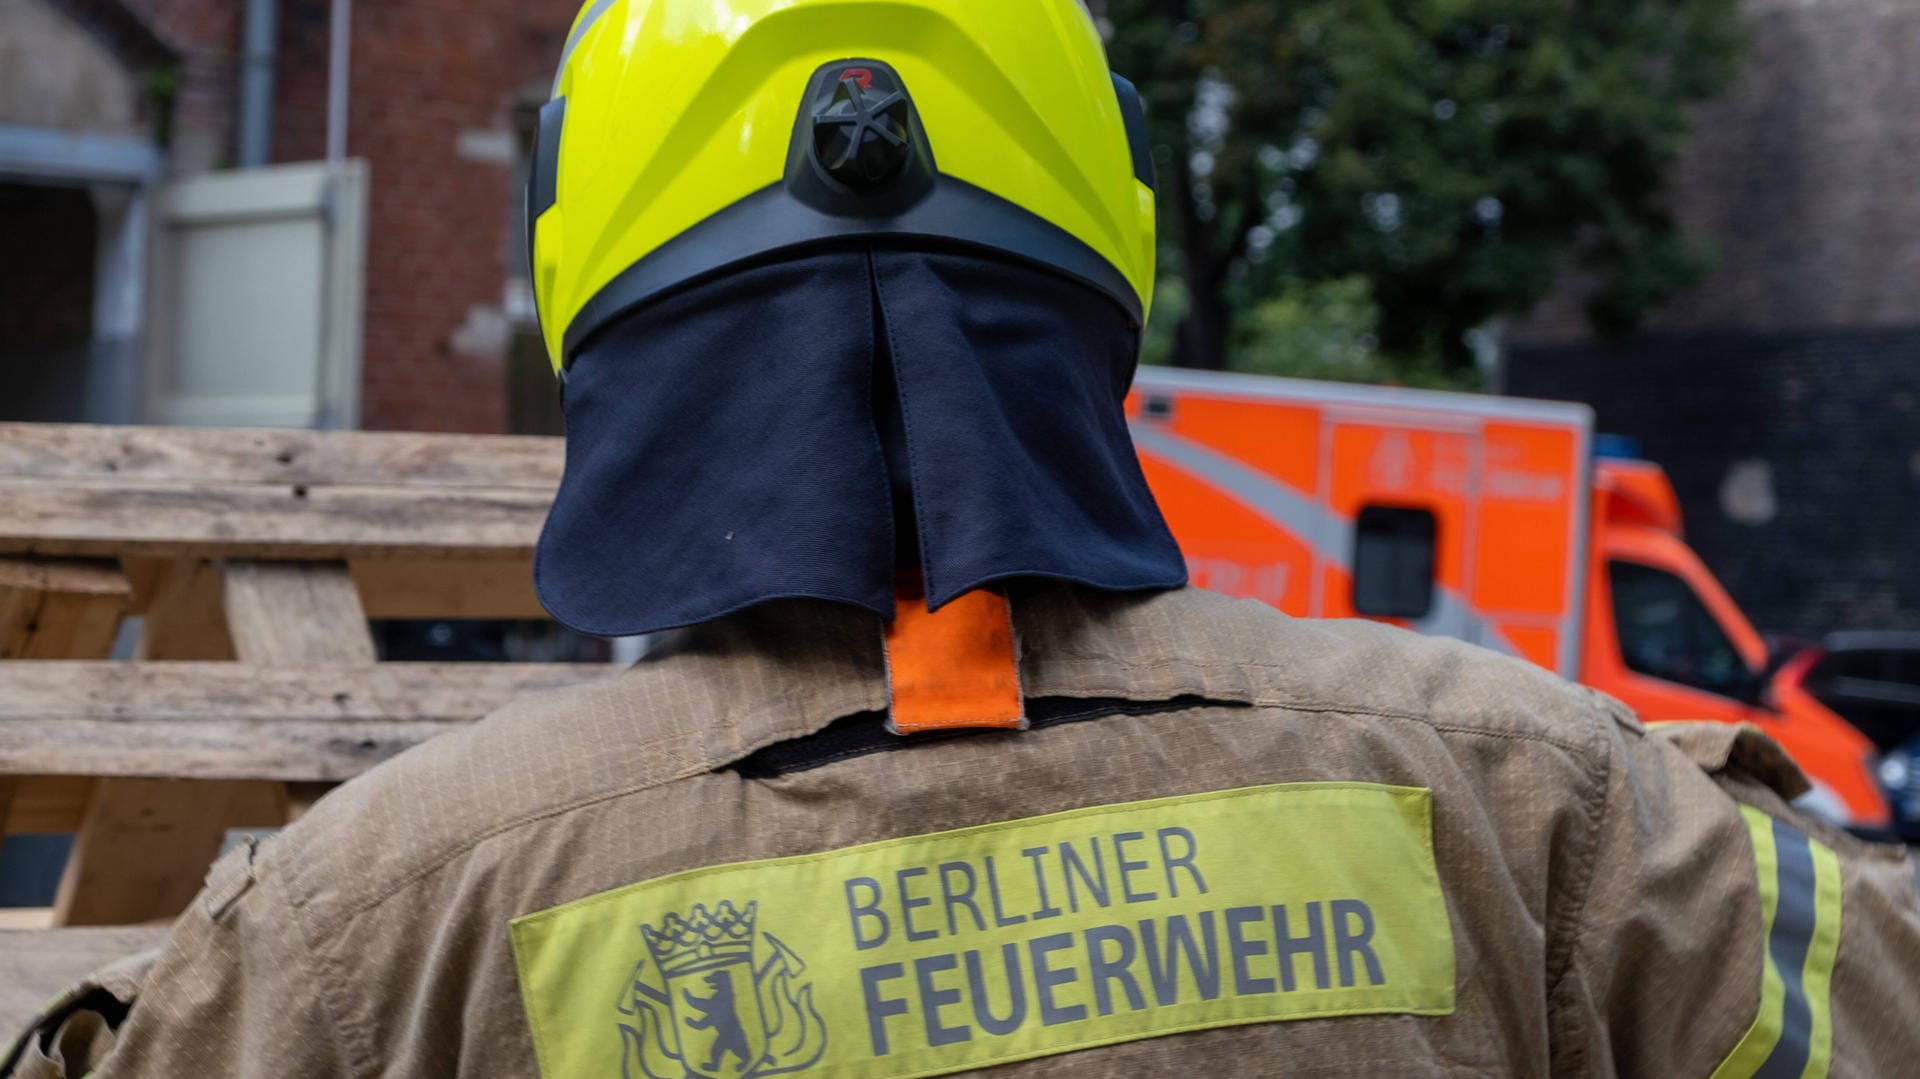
(859, 148)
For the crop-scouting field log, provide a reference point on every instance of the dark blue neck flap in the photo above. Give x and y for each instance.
(731, 444)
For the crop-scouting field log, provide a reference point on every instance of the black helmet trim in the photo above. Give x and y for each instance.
(543, 176)
(772, 222)
(1134, 114)
(896, 193)
(543, 181)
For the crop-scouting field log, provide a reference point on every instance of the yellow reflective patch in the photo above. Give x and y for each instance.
(955, 950)
(1800, 898)
(1753, 1047)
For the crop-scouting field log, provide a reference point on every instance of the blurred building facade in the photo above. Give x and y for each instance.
(1783, 392)
(441, 96)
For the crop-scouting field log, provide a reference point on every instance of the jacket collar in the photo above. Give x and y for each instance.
(786, 669)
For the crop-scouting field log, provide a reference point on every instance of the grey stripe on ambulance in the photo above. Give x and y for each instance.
(1793, 923)
(1329, 535)
(587, 19)
(1296, 513)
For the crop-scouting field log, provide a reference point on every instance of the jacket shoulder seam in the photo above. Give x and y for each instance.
(1571, 909)
(453, 851)
(1444, 726)
(358, 1048)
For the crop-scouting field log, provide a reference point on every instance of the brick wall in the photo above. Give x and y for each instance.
(1796, 456)
(205, 34)
(434, 87)
(432, 93)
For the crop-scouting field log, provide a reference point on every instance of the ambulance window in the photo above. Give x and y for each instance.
(1393, 562)
(1668, 633)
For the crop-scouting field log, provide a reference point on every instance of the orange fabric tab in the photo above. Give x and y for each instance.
(954, 668)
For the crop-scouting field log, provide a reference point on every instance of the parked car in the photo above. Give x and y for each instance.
(1872, 679)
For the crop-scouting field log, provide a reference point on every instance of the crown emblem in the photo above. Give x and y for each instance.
(703, 940)
(719, 1002)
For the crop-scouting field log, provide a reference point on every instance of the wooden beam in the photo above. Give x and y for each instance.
(219, 457)
(145, 844)
(186, 616)
(176, 505)
(47, 803)
(185, 519)
(233, 720)
(60, 609)
(55, 610)
(284, 614)
(179, 492)
(140, 841)
(35, 966)
(26, 918)
(468, 588)
(143, 851)
(146, 575)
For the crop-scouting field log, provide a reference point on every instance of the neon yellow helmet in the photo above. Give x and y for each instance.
(688, 136)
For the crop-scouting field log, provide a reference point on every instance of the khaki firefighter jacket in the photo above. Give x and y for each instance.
(1230, 842)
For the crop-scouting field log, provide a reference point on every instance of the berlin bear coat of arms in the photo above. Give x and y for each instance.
(714, 999)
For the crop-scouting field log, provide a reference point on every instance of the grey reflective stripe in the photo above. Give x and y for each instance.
(1328, 534)
(1793, 924)
(587, 19)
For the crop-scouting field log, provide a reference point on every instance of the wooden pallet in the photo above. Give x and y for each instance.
(252, 561)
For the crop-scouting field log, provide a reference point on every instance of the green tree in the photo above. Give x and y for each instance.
(1450, 154)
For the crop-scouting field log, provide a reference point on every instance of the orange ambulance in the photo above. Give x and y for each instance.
(1490, 519)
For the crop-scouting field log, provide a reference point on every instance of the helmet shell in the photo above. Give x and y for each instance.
(667, 114)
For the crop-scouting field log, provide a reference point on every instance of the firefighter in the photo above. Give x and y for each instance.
(935, 766)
